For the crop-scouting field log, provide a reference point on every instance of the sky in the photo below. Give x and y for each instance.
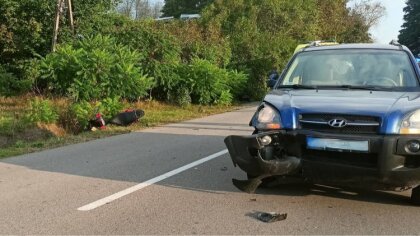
(389, 26)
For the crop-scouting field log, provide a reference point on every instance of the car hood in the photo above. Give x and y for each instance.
(389, 106)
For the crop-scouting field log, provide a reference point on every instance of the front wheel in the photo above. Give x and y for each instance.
(415, 196)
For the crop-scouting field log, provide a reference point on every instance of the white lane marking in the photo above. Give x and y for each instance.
(149, 182)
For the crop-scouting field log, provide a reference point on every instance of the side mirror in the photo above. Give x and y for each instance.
(271, 83)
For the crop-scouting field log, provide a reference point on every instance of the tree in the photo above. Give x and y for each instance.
(410, 33)
(177, 7)
(368, 11)
(262, 34)
(140, 9)
(331, 19)
(26, 27)
(157, 10)
(351, 24)
(126, 8)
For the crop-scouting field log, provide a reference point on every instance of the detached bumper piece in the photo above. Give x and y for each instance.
(387, 163)
(240, 149)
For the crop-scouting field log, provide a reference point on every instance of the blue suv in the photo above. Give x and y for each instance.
(341, 115)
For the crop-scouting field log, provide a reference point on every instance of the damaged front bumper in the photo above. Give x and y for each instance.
(385, 164)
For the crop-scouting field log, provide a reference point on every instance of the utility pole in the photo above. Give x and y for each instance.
(70, 8)
(58, 13)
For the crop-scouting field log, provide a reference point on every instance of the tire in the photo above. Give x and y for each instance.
(415, 196)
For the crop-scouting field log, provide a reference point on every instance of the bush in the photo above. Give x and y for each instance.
(42, 111)
(238, 83)
(76, 118)
(109, 107)
(207, 83)
(10, 85)
(180, 96)
(161, 52)
(10, 125)
(93, 69)
(200, 41)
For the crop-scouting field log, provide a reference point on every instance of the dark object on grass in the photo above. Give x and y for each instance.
(267, 217)
(127, 118)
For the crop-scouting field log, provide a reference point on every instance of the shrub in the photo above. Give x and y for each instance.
(93, 69)
(200, 41)
(161, 52)
(109, 107)
(180, 96)
(10, 85)
(207, 83)
(41, 111)
(77, 117)
(238, 83)
(10, 125)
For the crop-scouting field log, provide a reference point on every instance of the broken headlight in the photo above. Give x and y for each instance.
(411, 124)
(267, 118)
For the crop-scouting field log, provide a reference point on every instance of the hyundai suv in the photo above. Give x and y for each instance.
(345, 115)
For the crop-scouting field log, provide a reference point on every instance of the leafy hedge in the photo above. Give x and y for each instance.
(10, 85)
(93, 68)
(99, 67)
(209, 84)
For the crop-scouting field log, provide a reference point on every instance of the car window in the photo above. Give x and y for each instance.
(383, 68)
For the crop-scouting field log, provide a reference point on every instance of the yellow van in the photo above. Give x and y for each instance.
(315, 43)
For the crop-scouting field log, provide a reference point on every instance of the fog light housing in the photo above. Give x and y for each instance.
(412, 146)
(266, 140)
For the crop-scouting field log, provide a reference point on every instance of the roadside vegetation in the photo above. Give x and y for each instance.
(44, 123)
(173, 70)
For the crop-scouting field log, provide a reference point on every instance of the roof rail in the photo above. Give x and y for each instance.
(396, 43)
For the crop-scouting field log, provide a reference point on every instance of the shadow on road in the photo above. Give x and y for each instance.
(363, 195)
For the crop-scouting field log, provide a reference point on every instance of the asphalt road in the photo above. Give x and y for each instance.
(43, 193)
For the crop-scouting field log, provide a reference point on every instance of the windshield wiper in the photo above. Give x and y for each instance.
(349, 87)
(298, 86)
(362, 87)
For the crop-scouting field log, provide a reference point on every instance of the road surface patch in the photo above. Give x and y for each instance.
(149, 182)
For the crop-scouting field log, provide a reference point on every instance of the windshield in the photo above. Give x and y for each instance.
(362, 68)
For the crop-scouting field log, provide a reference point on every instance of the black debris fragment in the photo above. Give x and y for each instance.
(127, 117)
(267, 217)
(224, 168)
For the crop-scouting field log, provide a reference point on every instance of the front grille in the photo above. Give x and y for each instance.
(355, 124)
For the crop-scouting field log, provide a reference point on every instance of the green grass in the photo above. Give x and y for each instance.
(24, 138)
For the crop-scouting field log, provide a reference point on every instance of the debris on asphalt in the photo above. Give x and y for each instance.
(224, 168)
(253, 199)
(267, 217)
